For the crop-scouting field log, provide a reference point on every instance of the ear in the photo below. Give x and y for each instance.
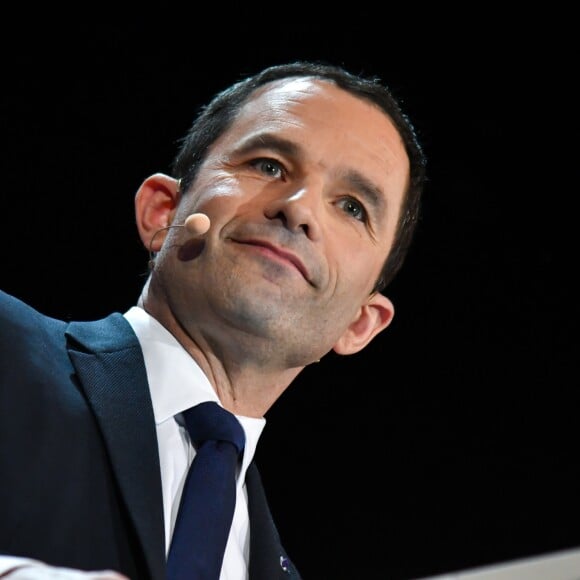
(374, 316)
(155, 204)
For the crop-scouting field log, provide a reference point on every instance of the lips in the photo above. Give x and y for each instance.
(278, 251)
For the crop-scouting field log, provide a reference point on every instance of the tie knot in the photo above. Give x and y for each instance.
(209, 421)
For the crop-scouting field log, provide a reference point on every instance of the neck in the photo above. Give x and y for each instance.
(247, 374)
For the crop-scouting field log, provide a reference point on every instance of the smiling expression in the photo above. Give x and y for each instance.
(304, 191)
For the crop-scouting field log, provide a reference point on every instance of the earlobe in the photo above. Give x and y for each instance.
(155, 204)
(374, 316)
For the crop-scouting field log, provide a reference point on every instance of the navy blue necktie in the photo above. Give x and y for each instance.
(209, 495)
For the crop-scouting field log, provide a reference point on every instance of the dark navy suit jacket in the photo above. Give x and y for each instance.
(79, 469)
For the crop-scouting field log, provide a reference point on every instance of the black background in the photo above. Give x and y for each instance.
(451, 441)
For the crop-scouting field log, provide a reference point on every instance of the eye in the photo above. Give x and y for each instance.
(269, 167)
(353, 208)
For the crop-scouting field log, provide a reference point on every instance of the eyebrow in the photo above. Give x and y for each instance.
(371, 192)
(272, 142)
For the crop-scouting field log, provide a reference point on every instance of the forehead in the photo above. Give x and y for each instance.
(305, 96)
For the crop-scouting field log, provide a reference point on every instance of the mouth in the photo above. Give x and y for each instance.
(280, 255)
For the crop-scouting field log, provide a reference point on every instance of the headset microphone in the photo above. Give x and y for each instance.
(196, 224)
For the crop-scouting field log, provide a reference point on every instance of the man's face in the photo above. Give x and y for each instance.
(303, 193)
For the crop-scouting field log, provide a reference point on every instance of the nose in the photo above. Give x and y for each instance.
(298, 210)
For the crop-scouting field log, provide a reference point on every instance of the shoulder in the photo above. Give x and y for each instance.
(25, 333)
(17, 316)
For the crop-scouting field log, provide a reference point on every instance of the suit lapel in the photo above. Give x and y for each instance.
(108, 359)
(268, 559)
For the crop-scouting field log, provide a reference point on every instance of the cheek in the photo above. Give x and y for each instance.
(217, 197)
(217, 186)
(357, 268)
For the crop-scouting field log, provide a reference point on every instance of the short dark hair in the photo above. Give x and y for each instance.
(217, 116)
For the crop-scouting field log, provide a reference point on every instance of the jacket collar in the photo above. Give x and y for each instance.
(107, 357)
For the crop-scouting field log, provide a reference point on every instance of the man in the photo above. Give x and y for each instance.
(311, 180)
